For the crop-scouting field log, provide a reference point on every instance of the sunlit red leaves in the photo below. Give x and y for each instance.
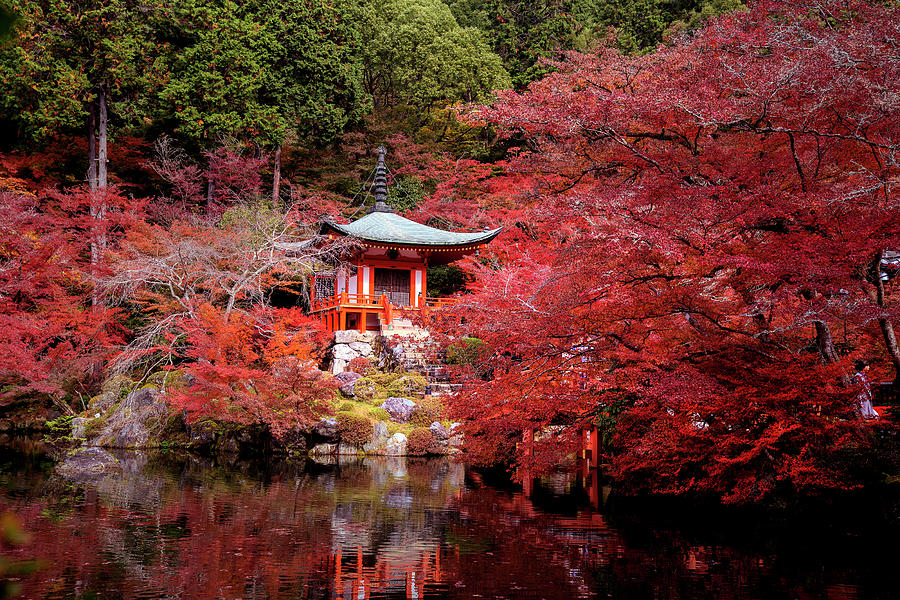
(258, 369)
(682, 220)
(49, 332)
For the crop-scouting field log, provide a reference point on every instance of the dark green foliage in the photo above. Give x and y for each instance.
(59, 55)
(466, 351)
(415, 53)
(446, 280)
(525, 32)
(264, 70)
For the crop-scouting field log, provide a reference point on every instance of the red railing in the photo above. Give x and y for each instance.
(345, 299)
(440, 302)
(368, 301)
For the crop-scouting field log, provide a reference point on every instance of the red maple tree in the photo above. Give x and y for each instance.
(687, 229)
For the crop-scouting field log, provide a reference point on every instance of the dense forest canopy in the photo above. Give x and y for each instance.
(697, 201)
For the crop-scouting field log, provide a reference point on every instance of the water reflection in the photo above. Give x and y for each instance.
(183, 527)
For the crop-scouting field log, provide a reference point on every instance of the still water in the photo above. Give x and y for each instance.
(176, 526)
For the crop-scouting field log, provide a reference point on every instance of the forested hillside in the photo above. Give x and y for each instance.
(697, 198)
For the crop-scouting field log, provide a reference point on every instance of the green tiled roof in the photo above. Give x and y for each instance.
(391, 228)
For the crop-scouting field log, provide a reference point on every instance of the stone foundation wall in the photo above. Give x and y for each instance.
(349, 345)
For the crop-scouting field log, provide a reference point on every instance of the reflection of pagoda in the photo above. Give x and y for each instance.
(389, 267)
(357, 581)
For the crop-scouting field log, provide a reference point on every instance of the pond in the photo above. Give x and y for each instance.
(176, 526)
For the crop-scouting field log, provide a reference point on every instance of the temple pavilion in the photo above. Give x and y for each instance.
(389, 267)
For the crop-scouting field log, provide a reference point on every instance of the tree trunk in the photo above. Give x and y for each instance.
(101, 140)
(102, 182)
(825, 342)
(887, 328)
(92, 184)
(92, 149)
(276, 178)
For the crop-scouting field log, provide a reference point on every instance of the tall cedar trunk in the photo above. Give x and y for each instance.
(876, 293)
(92, 149)
(825, 342)
(101, 165)
(92, 180)
(276, 178)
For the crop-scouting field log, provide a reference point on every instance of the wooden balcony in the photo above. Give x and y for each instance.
(352, 311)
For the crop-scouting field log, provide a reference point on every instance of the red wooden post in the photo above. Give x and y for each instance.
(593, 485)
(595, 448)
(337, 572)
(527, 479)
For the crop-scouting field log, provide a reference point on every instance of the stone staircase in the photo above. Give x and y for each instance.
(407, 344)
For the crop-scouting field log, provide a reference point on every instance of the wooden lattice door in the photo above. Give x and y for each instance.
(394, 283)
(325, 286)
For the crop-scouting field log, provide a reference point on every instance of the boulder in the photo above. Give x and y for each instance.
(202, 433)
(364, 389)
(78, 424)
(439, 432)
(395, 446)
(346, 336)
(145, 399)
(348, 381)
(361, 348)
(327, 428)
(292, 442)
(400, 409)
(88, 463)
(132, 434)
(338, 366)
(127, 426)
(380, 436)
(345, 449)
(102, 402)
(343, 352)
(323, 450)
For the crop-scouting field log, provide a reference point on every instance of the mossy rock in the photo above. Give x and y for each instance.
(376, 387)
(367, 390)
(119, 386)
(379, 413)
(93, 427)
(175, 379)
(407, 385)
(102, 403)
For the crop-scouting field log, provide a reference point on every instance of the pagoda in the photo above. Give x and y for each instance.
(388, 268)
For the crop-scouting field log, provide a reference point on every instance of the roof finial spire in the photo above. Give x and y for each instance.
(380, 185)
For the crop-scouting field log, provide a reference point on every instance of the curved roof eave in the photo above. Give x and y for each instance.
(390, 228)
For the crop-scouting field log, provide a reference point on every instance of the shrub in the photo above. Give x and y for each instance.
(375, 387)
(466, 351)
(346, 407)
(427, 411)
(420, 441)
(354, 429)
(407, 385)
(360, 365)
